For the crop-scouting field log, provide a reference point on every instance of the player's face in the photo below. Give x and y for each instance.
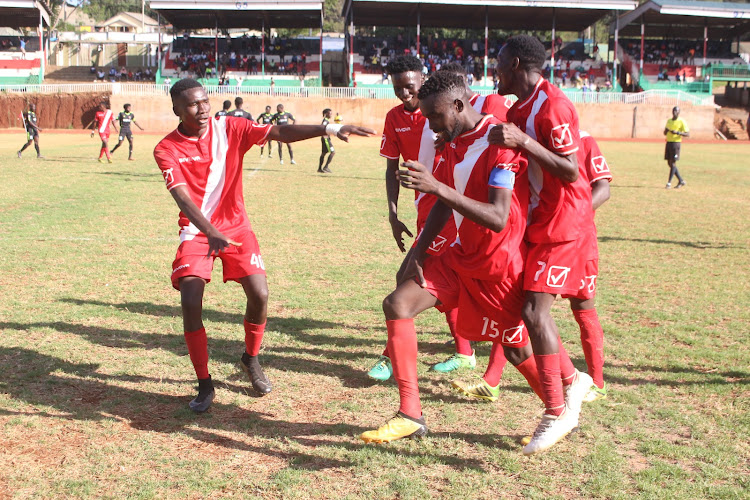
(193, 108)
(32, 107)
(279, 108)
(127, 109)
(328, 114)
(268, 109)
(504, 72)
(406, 87)
(442, 112)
(675, 112)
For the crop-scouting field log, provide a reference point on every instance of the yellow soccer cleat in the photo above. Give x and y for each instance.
(478, 389)
(399, 427)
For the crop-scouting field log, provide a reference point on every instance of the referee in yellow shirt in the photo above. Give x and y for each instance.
(675, 129)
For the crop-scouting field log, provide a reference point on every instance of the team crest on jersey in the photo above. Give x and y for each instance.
(599, 164)
(513, 335)
(556, 276)
(438, 243)
(382, 142)
(168, 176)
(561, 136)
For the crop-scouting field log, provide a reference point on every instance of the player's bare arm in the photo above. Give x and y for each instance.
(436, 220)
(295, 133)
(216, 241)
(510, 136)
(136, 124)
(599, 193)
(492, 215)
(398, 228)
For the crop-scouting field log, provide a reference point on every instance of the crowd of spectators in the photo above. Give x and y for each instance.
(124, 74)
(676, 53)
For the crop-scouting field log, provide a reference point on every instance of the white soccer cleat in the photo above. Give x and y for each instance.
(551, 430)
(576, 392)
(293, 162)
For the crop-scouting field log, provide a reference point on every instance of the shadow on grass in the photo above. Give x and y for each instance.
(79, 392)
(140, 177)
(700, 245)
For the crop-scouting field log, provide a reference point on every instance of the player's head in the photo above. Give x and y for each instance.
(443, 102)
(675, 112)
(190, 103)
(238, 102)
(456, 69)
(226, 105)
(280, 108)
(32, 107)
(327, 113)
(407, 78)
(126, 107)
(104, 105)
(521, 54)
(268, 109)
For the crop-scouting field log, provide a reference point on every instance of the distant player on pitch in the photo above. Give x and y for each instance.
(326, 146)
(675, 129)
(102, 121)
(32, 130)
(282, 118)
(201, 162)
(125, 118)
(266, 118)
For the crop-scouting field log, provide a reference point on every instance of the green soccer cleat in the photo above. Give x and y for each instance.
(595, 394)
(479, 389)
(456, 362)
(399, 427)
(382, 370)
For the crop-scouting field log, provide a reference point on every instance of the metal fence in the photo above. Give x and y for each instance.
(656, 97)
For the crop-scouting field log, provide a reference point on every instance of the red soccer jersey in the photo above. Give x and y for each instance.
(559, 210)
(472, 166)
(493, 104)
(103, 119)
(595, 164)
(211, 169)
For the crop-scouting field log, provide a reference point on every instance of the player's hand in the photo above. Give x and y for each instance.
(412, 268)
(39, 130)
(507, 135)
(440, 141)
(92, 134)
(416, 176)
(348, 130)
(398, 229)
(217, 242)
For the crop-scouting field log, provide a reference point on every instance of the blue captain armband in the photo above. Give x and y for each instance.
(501, 178)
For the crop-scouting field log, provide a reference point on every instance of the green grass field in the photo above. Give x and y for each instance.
(96, 379)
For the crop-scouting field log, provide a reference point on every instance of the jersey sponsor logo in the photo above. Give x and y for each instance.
(557, 275)
(438, 243)
(561, 136)
(189, 158)
(513, 335)
(599, 164)
(404, 129)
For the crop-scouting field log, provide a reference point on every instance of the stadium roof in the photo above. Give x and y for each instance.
(686, 19)
(249, 14)
(23, 13)
(570, 15)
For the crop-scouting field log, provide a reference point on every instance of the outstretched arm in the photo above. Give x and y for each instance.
(294, 133)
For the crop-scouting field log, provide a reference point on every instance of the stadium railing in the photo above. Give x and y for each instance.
(656, 97)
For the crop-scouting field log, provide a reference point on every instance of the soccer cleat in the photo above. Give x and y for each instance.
(109, 160)
(293, 162)
(551, 430)
(678, 186)
(327, 170)
(479, 389)
(595, 393)
(269, 155)
(258, 379)
(382, 370)
(320, 171)
(281, 162)
(456, 362)
(40, 157)
(18, 153)
(261, 154)
(576, 391)
(668, 186)
(131, 159)
(205, 396)
(101, 161)
(399, 427)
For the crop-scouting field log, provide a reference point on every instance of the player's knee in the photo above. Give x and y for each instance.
(393, 308)
(532, 316)
(258, 295)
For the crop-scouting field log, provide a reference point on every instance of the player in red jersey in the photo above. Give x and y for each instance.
(544, 124)
(407, 135)
(102, 120)
(493, 104)
(201, 162)
(483, 189)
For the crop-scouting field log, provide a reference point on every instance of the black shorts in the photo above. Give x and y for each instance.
(126, 133)
(31, 133)
(672, 151)
(326, 145)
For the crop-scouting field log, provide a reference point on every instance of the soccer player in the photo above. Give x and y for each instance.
(32, 130)
(238, 111)
(407, 135)
(266, 118)
(125, 118)
(483, 189)
(279, 119)
(544, 125)
(494, 104)
(201, 162)
(675, 129)
(102, 120)
(326, 146)
(226, 105)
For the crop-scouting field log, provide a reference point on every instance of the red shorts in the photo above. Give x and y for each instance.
(487, 310)
(443, 240)
(104, 136)
(556, 268)
(587, 289)
(237, 262)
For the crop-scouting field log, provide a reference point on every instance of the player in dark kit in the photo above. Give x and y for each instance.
(201, 162)
(125, 118)
(32, 130)
(225, 109)
(283, 118)
(239, 112)
(266, 118)
(326, 146)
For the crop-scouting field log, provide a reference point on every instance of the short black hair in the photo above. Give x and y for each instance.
(441, 82)
(183, 85)
(453, 67)
(238, 101)
(404, 64)
(528, 49)
(227, 104)
(327, 110)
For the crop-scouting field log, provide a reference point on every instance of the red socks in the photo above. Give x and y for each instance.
(402, 344)
(567, 370)
(197, 345)
(548, 367)
(592, 340)
(253, 337)
(529, 370)
(463, 346)
(494, 371)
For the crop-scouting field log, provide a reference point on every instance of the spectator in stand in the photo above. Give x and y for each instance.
(100, 75)
(123, 74)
